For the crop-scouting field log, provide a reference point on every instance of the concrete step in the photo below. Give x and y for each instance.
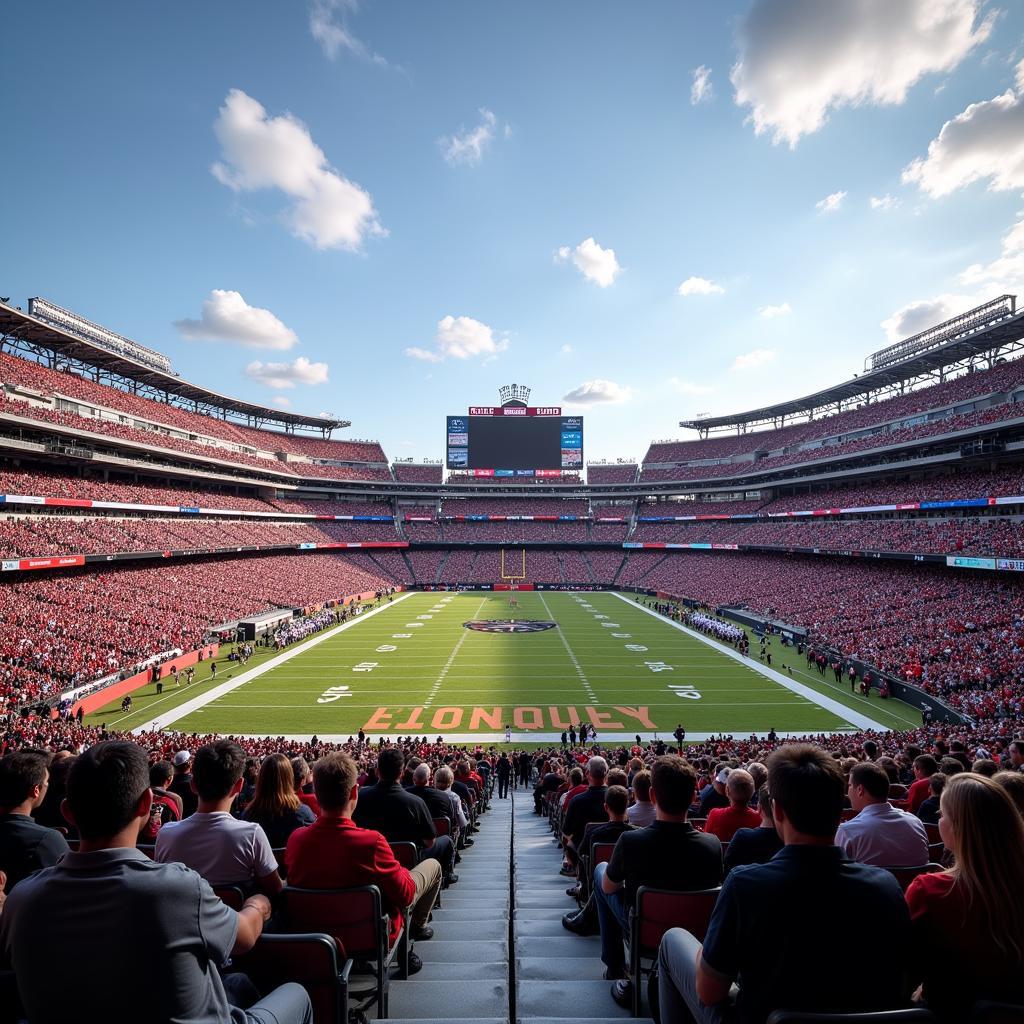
(561, 1020)
(564, 945)
(465, 1020)
(541, 913)
(452, 914)
(556, 968)
(466, 970)
(564, 999)
(446, 929)
(443, 1000)
(454, 952)
(527, 926)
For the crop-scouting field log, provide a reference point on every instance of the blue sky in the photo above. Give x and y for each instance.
(407, 204)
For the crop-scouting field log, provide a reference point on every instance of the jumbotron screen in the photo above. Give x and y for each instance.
(514, 441)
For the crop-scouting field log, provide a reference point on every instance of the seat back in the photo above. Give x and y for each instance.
(601, 853)
(897, 791)
(231, 895)
(915, 1016)
(442, 826)
(309, 959)
(698, 823)
(353, 916)
(987, 1012)
(906, 875)
(933, 832)
(657, 910)
(936, 851)
(406, 854)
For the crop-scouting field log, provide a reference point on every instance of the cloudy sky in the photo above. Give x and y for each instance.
(385, 210)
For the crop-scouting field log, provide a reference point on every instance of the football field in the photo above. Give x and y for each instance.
(466, 665)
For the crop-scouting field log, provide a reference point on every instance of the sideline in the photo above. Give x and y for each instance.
(840, 710)
(169, 717)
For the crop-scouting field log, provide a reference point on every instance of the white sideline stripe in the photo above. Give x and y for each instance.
(528, 736)
(841, 710)
(197, 703)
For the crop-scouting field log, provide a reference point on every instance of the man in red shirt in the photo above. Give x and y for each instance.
(925, 766)
(335, 853)
(725, 822)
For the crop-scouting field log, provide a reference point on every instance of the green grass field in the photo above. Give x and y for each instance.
(412, 667)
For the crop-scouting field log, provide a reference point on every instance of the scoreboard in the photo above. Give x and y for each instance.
(514, 440)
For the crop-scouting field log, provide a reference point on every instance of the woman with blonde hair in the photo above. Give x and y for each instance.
(276, 807)
(969, 921)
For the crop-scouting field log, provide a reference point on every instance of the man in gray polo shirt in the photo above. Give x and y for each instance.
(157, 929)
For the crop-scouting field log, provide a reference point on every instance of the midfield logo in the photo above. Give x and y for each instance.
(509, 625)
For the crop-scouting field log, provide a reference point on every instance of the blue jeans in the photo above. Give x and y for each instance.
(677, 983)
(613, 917)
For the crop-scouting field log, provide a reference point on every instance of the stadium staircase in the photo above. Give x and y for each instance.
(440, 567)
(590, 567)
(499, 954)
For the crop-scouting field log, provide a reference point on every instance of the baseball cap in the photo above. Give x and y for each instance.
(722, 776)
(182, 757)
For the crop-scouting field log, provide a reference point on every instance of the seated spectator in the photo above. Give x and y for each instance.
(715, 795)
(335, 853)
(985, 766)
(25, 846)
(968, 922)
(725, 821)
(275, 806)
(224, 850)
(755, 845)
(880, 833)
(401, 817)
(160, 924)
(641, 810)
(586, 806)
(669, 854)
(439, 804)
(584, 921)
(1013, 783)
(160, 775)
(304, 784)
(443, 779)
(182, 783)
(48, 813)
(758, 932)
(928, 812)
(925, 766)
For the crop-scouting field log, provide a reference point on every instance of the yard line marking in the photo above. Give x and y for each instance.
(572, 657)
(839, 710)
(451, 658)
(198, 703)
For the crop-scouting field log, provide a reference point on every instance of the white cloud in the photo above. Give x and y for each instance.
(752, 360)
(701, 89)
(985, 141)
(771, 312)
(281, 401)
(799, 59)
(328, 23)
(980, 281)
(259, 152)
(287, 375)
(594, 263)
(598, 392)
(460, 337)
(699, 286)
(566, 349)
(226, 316)
(467, 145)
(685, 387)
(830, 203)
(886, 202)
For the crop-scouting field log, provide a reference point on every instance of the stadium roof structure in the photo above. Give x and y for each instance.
(39, 337)
(986, 332)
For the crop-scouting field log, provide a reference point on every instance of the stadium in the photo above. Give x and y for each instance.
(513, 734)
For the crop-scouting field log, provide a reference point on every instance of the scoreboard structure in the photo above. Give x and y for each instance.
(514, 439)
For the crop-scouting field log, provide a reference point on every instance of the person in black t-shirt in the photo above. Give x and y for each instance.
(25, 847)
(668, 854)
(585, 807)
(401, 817)
(755, 845)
